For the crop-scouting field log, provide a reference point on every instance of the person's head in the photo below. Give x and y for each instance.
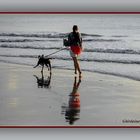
(75, 28)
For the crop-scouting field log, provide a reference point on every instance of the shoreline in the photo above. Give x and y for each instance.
(69, 69)
(30, 99)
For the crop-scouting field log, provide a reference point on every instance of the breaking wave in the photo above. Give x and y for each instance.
(45, 35)
(23, 40)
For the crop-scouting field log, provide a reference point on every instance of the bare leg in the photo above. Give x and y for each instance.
(76, 65)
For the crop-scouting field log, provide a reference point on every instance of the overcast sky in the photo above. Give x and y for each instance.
(70, 5)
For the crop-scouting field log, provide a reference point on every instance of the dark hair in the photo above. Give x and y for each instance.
(75, 28)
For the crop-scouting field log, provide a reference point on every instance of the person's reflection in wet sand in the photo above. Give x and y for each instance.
(72, 112)
(43, 82)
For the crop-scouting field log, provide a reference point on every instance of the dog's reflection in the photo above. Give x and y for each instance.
(72, 111)
(43, 82)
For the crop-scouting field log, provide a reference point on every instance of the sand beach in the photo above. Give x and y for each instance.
(28, 98)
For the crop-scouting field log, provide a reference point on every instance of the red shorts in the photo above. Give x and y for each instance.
(76, 50)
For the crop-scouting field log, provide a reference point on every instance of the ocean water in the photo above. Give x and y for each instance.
(111, 42)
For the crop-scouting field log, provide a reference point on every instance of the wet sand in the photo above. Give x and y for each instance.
(28, 98)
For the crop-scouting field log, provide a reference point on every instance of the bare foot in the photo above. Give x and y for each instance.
(80, 74)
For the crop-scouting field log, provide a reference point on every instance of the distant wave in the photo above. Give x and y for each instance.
(53, 40)
(120, 36)
(19, 40)
(92, 35)
(121, 51)
(24, 56)
(53, 35)
(45, 35)
(101, 40)
(39, 35)
(82, 59)
(23, 40)
(28, 47)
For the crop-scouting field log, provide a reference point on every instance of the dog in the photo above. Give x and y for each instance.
(44, 61)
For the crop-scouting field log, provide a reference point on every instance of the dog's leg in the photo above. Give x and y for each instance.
(42, 68)
(50, 67)
(35, 66)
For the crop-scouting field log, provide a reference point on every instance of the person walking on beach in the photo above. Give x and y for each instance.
(75, 43)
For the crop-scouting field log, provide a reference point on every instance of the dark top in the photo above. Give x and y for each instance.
(74, 39)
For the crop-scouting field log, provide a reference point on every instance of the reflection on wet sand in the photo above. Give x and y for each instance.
(72, 111)
(43, 82)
